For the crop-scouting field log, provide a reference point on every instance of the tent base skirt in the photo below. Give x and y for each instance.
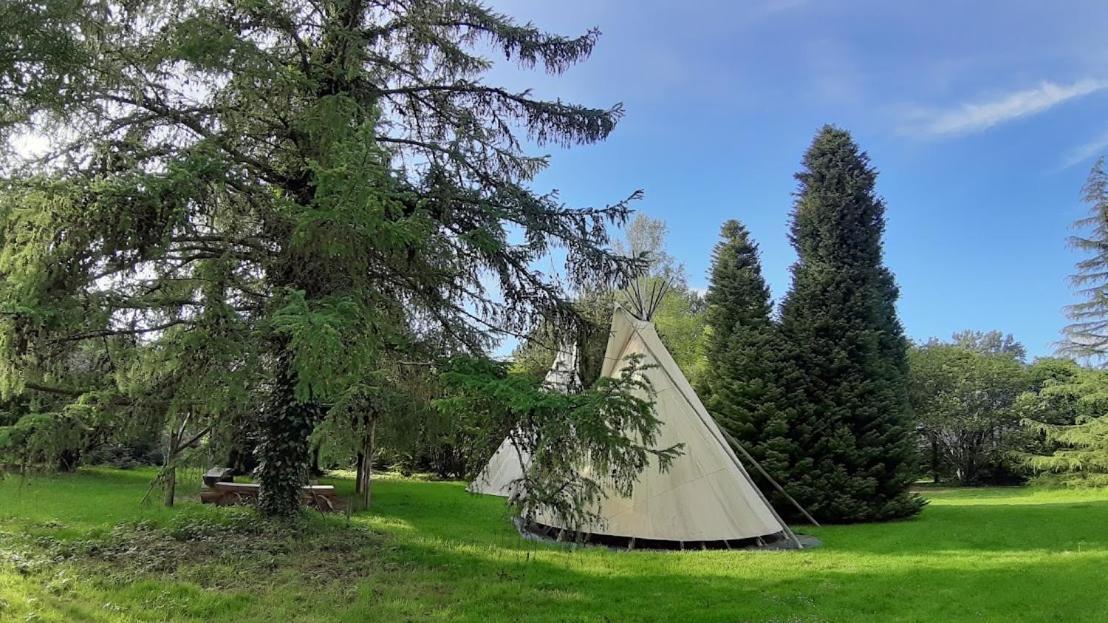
(534, 531)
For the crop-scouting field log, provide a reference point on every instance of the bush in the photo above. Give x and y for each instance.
(42, 440)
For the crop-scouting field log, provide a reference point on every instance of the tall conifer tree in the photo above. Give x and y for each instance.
(856, 451)
(1086, 336)
(285, 194)
(746, 371)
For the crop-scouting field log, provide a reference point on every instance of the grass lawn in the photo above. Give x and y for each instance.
(430, 552)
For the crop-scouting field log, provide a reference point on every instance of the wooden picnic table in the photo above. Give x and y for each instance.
(226, 493)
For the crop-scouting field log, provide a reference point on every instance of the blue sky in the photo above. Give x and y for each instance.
(983, 119)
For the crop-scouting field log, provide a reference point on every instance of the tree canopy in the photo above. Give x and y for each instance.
(256, 202)
(964, 403)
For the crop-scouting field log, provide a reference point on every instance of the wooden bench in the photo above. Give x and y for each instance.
(223, 493)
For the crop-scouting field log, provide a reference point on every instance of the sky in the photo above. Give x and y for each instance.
(983, 119)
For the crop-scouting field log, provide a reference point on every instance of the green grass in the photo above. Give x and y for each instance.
(1010, 554)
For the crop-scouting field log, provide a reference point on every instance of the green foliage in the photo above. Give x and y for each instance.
(990, 343)
(609, 427)
(679, 318)
(964, 401)
(41, 58)
(42, 440)
(855, 453)
(645, 238)
(256, 203)
(1063, 392)
(330, 344)
(746, 374)
(535, 355)
(681, 323)
(1067, 412)
(1081, 454)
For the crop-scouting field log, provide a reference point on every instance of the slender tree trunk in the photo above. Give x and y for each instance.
(359, 471)
(365, 466)
(242, 456)
(170, 484)
(935, 459)
(367, 496)
(169, 469)
(68, 460)
(316, 470)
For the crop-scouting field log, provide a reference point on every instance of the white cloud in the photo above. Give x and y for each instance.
(1081, 153)
(979, 116)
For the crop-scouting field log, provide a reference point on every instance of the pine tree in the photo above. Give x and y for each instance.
(743, 381)
(1087, 335)
(856, 452)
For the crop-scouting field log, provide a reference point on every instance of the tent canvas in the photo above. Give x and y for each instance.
(706, 495)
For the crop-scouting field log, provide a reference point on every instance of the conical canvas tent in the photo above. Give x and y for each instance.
(506, 465)
(706, 496)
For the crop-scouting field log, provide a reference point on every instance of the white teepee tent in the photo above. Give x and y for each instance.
(706, 495)
(506, 465)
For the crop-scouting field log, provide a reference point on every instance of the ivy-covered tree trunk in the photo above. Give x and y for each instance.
(286, 426)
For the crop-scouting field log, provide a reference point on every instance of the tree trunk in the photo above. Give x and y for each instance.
(368, 499)
(316, 470)
(286, 425)
(359, 471)
(68, 460)
(170, 484)
(169, 469)
(242, 456)
(365, 466)
(935, 459)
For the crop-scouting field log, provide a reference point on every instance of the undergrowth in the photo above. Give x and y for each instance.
(236, 549)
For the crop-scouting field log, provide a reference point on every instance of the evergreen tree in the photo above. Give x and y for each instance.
(1065, 415)
(1068, 412)
(743, 381)
(1086, 337)
(284, 192)
(856, 452)
(1080, 457)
